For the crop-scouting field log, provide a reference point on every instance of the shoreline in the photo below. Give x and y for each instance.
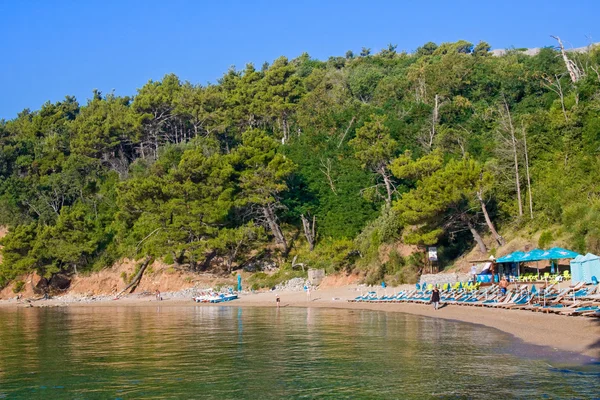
(557, 333)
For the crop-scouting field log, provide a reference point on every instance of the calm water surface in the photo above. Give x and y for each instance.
(192, 352)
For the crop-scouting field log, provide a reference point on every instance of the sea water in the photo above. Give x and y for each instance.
(206, 352)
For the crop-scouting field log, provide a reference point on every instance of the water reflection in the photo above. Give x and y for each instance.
(227, 352)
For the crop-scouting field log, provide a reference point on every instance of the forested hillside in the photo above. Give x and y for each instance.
(308, 161)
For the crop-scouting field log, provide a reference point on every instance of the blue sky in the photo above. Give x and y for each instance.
(50, 49)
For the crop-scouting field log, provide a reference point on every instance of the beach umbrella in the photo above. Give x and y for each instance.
(510, 257)
(532, 255)
(558, 253)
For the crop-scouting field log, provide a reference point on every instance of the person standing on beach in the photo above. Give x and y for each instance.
(435, 297)
(277, 300)
(503, 285)
(474, 273)
(308, 292)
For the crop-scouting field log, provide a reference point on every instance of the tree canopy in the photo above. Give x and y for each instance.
(443, 146)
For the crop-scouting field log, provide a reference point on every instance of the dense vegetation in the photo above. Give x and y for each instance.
(308, 162)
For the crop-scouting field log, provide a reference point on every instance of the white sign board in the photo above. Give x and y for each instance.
(432, 253)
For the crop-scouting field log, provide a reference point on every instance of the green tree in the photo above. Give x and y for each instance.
(375, 148)
(262, 180)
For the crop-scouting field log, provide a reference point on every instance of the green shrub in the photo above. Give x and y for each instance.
(168, 259)
(385, 229)
(19, 285)
(375, 275)
(545, 239)
(395, 263)
(261, 280)
(330, 255)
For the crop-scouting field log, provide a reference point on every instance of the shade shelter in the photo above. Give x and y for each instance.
(512, 257)
(558, 253)
(535, 255)
(508, 264)
(584, 268)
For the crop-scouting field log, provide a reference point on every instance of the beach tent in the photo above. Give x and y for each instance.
(583, 268)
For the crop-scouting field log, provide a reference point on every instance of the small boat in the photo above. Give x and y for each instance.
(215, 298)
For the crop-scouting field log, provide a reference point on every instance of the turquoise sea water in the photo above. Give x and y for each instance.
(204, 352)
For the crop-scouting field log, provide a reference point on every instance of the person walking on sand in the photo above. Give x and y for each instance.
(158, 296)
(278, 300)
(435, 297)
(308, 292)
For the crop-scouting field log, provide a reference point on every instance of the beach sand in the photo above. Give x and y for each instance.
(558, 333)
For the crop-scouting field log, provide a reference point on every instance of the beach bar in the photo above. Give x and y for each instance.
(512, 264)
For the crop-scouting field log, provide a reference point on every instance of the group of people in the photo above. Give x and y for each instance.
(435, 294)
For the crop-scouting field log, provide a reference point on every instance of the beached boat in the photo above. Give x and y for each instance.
(215, 298)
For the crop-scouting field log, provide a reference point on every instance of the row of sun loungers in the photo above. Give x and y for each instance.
(577, 300)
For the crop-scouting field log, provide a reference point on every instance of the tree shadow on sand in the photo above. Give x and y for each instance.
(596, 344)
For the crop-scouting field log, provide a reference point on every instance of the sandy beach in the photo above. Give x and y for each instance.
(556, 332)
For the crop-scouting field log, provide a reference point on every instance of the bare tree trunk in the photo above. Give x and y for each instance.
(388, 186)
(527, 172)
(274, 226)
(573, 69)
(477, 238)
(233, 255)
(427, 138)
(434, 117)
(513, 140)
(137, 278)
(556, 87)
(295, 264)
(327, 171)
(309, 231)
(285, 131)
(595, 69)
(346, 131)
(488, 220)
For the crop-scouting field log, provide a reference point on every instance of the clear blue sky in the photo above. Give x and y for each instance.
(50, 49)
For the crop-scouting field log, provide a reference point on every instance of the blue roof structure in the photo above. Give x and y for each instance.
(555, 253)
(558, 253)
(533, 255)
(510, 257)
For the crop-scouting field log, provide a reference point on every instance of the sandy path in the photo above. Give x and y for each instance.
(559, 332)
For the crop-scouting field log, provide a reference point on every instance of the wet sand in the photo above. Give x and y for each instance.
(558, 333)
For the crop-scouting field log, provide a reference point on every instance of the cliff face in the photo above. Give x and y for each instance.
(110, 281)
